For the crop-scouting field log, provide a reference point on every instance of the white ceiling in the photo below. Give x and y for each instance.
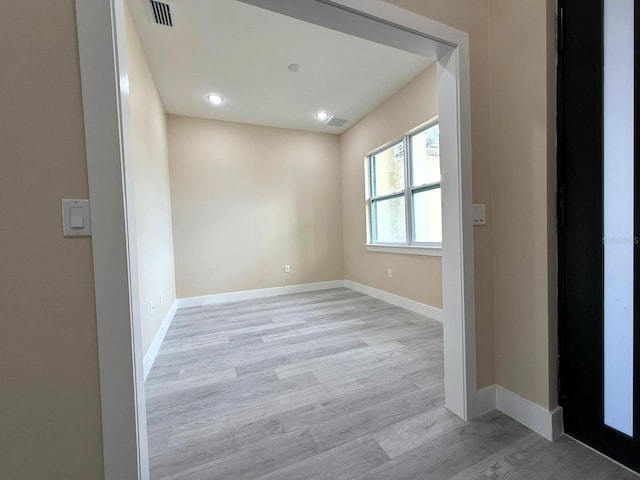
(242, 52)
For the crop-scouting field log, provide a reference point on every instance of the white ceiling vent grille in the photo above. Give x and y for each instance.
(161, 13)
(335, 121)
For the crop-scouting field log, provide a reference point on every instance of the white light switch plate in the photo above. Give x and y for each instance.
(479, 214)
(76, 218)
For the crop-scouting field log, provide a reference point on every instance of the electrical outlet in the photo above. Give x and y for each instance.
(389, 273)
(287, 269)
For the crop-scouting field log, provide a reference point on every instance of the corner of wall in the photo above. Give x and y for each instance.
(547, 423)
(418, 279)
(151, 191)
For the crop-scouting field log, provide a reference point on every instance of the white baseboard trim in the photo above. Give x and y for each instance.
(485, 402)
(540, 420)
(546, 423)
(154, 348)
(421, 308)
(258, 293)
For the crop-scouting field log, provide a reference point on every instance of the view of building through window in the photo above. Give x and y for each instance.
(427, 208)
(405, 204)
(388, 210)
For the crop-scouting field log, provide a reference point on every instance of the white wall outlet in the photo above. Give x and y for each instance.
(390, 273)
(287, 269)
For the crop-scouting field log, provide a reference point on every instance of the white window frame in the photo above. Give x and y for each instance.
(410, 246)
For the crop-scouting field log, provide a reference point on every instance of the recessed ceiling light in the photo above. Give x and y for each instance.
(322, 116)
(294, 67)
(215, 99)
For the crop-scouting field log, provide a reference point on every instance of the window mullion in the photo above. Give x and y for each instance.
(426, 188)
(407, 188)
(388, 197)
(374, 222)
(372, 176)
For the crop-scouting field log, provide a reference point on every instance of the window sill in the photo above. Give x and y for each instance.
(405, 249)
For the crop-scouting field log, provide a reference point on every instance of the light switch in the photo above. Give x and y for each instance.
(479, 214)
(76, 218)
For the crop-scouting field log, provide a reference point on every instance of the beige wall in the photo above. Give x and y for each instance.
(50, 425)
(513, 173)
(522, 126)
(414, 276)
(247, 200)
(151, 191)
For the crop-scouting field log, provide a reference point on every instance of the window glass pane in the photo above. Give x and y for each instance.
(425, 156)
(618, 214)
(427, 216)
(388, 221)
(387, 170)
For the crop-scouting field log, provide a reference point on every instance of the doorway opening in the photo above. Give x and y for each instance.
(104, 76)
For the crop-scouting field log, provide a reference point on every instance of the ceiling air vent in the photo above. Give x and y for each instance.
(161, 13)
(335, 121)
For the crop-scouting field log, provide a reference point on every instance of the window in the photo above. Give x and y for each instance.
(404, 185)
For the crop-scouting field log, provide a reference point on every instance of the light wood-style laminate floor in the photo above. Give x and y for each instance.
(328, 385)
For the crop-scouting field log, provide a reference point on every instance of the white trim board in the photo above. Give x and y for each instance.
(104, 74)
(258, 293)
(485, 401)
(154, 348)
(397, 300)
(406, 303)
(540, 420)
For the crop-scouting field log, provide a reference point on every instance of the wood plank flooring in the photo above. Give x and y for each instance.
(328, 385)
